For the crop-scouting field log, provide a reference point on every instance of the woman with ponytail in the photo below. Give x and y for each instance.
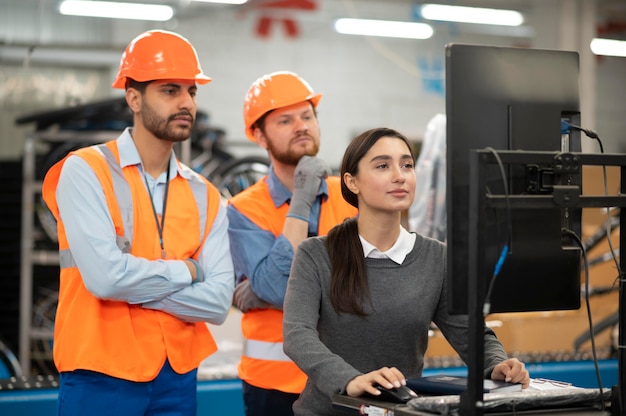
(360, 301)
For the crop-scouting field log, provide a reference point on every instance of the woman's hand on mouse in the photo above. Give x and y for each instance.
(389, 377)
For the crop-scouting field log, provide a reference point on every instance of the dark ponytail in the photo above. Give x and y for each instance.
(348, 286)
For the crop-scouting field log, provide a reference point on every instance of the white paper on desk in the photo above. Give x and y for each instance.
(542, 384)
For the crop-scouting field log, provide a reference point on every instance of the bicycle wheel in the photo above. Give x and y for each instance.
(44, 315)
(46, 220)
(235, 176)
(9, 365)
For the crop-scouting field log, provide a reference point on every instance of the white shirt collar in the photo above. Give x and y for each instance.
(398, 252)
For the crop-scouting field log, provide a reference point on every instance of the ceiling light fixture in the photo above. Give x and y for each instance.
(385, 28)
(608, 47)
(478, 15)
(88, 57)
(117, 10)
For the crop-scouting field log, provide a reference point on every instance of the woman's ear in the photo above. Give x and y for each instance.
(351, 183)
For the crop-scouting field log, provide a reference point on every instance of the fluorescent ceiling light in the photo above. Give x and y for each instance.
(385, 28)
(608, 47)
(116, 10)
(78, 56)
(471, 15)
(222, 1)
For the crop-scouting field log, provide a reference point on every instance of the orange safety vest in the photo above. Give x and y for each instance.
(116, 338)
(263, 363)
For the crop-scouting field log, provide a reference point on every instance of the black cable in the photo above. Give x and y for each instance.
(505, 250)
(593, 135)
(589, 133)
(600, 233)
(566, 125)
(609, 226)
(592, 337)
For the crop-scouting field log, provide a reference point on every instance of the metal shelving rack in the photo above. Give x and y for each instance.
(30, 256)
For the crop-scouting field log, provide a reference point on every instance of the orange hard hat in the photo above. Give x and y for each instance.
(159, 54)
(272, 91)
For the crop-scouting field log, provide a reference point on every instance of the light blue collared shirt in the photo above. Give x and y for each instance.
(156, 284)
(260, 256)
(397, 253)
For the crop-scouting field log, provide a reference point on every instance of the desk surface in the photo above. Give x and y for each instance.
(365, 405)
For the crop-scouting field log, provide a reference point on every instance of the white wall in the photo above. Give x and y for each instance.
(366, 82)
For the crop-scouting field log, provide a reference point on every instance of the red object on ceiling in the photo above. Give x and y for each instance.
(265, 23)
(612, 27)
(290, 4)
(290, 25)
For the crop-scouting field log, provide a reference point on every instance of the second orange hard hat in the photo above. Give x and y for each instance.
(272, 91)
(159, 54)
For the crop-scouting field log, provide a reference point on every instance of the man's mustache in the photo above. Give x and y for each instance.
(181, 113)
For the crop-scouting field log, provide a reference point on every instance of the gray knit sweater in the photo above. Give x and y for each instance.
(332, 349)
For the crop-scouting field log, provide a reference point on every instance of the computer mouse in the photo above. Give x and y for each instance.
(401, 394)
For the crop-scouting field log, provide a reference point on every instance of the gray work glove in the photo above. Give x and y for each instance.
(306, 182)
(245, 299)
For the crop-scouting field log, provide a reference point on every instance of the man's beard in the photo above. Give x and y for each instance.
(291, 157)
(161, 127)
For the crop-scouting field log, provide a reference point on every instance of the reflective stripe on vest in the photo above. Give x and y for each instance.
(125, 201)
(261, 350)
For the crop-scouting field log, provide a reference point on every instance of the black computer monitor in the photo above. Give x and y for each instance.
(511, 98)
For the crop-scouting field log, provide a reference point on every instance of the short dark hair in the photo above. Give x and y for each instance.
(138, 85)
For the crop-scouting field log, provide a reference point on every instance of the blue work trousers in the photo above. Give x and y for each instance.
(91, 393)
(263, 402)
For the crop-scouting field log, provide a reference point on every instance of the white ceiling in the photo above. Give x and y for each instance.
(36, 29)
(614, 10)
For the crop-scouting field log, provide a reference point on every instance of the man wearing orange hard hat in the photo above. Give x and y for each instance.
(267, 221)
(142, 255)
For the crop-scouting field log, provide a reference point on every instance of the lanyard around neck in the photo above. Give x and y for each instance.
(161, 225)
